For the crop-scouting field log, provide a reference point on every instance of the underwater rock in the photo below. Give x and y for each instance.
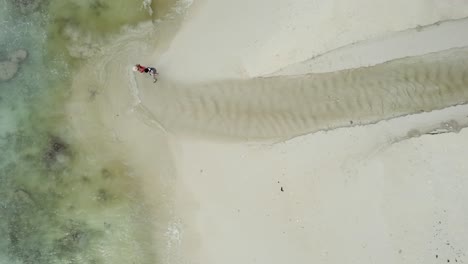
(103, 195)
(106, 174)
(23, 196)
(75, 239)
(9, 67)
(27, 6)
(23, 200)
(8, 70)
(18, 55)
(56, 151)
(82, 44)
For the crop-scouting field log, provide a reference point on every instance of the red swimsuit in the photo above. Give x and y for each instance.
(141, 68)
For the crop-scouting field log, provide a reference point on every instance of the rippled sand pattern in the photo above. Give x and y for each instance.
(281, 107)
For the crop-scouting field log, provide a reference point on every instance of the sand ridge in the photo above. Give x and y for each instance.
(284, 107)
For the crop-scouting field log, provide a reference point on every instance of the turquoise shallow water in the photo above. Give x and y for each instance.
(58, 202)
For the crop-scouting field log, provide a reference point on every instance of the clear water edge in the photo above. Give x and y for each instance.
(63, 200)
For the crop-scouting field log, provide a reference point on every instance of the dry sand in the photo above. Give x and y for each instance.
(363, 194)
(236, 39)
(354, 195)
(367, 194)
(418, 41)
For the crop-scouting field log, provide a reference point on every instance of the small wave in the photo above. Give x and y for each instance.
(182, 6)
(143, 113)
(133, 87)
(147, 6)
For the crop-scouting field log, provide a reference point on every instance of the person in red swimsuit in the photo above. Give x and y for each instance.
(151, 70)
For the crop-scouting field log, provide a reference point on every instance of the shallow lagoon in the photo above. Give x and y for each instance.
(62, 201)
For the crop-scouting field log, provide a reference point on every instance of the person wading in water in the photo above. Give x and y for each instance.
(150, 70)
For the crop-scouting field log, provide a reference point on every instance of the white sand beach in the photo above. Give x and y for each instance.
(360, 189)
(354, 195)
(220, 39)
(366, 194)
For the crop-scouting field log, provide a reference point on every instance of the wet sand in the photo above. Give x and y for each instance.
(276, 108)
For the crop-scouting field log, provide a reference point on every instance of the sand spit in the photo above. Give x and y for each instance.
(283, 107)
(267, 108)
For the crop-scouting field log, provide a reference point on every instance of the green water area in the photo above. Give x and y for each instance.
(60, 203)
